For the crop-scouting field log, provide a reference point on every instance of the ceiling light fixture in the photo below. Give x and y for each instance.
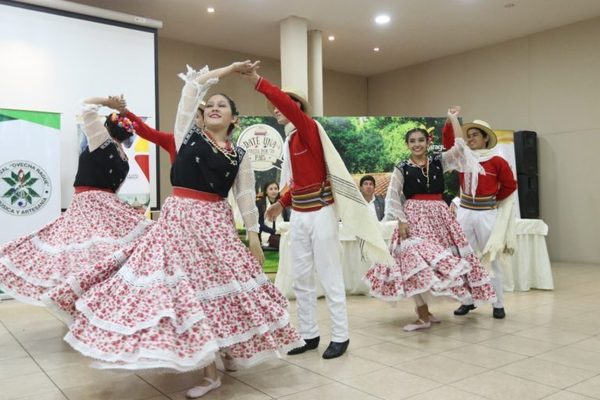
(376, 49)
(382, 19)
(331, 38)
(210, 10)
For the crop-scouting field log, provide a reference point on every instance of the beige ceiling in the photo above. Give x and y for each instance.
(420, 30)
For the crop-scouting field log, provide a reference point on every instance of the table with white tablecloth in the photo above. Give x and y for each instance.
(530, 266)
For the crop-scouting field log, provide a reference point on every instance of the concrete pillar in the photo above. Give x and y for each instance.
(293, 48)
(315, 71)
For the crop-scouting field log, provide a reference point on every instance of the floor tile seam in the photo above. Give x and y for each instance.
(164, 393)
(486, 370)
(560, 346)
(380, 366)
(540, 383)
(555, 390)
(583, 381)
(391, 365)
(348, 386)
(556, 343)
(249, 385)
(582, 395)
(476, 365)
(261, 391)
(34, 360)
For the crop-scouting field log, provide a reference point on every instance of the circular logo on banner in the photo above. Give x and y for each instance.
(264, 146)
(25, 188)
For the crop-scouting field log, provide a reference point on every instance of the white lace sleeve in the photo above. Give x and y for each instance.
(245, 197)
(394, 200)
(93, 126)
(459, 157)
(191, 95)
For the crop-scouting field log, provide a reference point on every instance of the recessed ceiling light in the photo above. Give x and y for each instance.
(210, 10)
(331, 38)
(509, 5)
(382, 19)
(376, 49)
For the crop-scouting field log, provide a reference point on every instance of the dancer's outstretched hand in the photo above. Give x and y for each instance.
(251, 74)
(453, 112)
(452, 208)
(255, 248)
(403, 230)
(243, 67)
(117, 102)
(274, 211)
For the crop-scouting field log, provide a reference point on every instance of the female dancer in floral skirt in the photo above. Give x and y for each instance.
(190, 288)
(430, 249)
(97, 223)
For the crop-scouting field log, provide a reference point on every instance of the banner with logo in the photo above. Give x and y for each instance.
(29, 171)
(368, 145)
(264, 144)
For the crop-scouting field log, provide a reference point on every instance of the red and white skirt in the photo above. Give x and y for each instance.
(188, 289)
(96, 225)
(435, 258)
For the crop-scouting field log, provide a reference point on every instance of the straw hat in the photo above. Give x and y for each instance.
(296, 95)
(484, 127)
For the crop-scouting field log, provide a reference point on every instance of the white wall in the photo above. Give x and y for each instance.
(548, 82)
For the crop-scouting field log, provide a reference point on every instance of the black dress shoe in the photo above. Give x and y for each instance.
(310, 344)
(336, 349)
(499, 313)
(464, 309)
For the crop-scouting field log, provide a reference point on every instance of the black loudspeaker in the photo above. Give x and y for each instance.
(526, 155)
(526, 158)
(529, 200)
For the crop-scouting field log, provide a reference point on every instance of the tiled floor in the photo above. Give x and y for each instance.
(548, 347)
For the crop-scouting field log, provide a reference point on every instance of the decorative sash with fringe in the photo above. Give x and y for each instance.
(350, 206)
(503, 239)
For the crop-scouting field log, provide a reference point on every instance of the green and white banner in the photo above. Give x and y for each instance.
(29, 171)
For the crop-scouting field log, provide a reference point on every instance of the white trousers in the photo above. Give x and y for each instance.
(478, 227)
(315, 246)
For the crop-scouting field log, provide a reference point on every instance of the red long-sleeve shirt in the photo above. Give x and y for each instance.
(498, 179)
(306, 151)
(166, 140)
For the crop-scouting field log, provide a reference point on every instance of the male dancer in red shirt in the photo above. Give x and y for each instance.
(314, 226)
(477, 213)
